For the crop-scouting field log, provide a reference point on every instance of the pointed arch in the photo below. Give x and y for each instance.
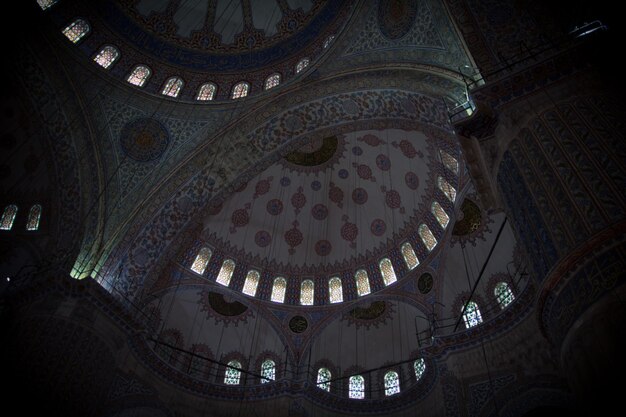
(206, 92)
(77, 30)
(232, 374)
(392, 383)
(362, 282)
(387, 272)
(302, 64)
(34, 217)
(307, 292)
(427, 237)
(107, 56)
(240, 90)
(139, 75)
(202, 260)
(272, 81)
(410, 258)
(503, 294)
(172, 87)
(268, 371)
(323, 379)
(226, 272)
(472, 316)
(279, 289)
(251, 283)
(335, 290)
(356, 387)
(8, 217)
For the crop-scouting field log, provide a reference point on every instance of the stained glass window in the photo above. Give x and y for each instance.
(240, 90)
(302, 65)
(34, 215)
(272, 81)
(8, 217)
(45, 4)
(386, 269)
(139, 75)
(440, 214)
(427, 237)
(472, 316)
(335, 290)
(202, 260)
(268, 371)
(449, 161)
(328, 41)
(307, 292)
(76, 30)
(206, 92)
(503, 294)
(392, 383)
(356, 385)
(232, 376)
(172, 87)
(251, 283)
(447, 189)
(409, 255)
(107, 56)
(323, 379)
(419, 366)
(226, 272)
(362, 282)
(278, 290)
(199, 366)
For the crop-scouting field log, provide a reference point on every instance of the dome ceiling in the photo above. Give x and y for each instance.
(332, 204)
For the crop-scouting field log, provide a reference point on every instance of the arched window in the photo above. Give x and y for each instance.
(278, 290)
(139, 75)
(335, 290)
(503, 294)
(34, 215)
(232, 375)
(206, 92)
(240, 90)
(419, 366)
(427, 237)
(226, 272)
(76, 30)
(8, 217)
(386, 270)
(304, 62)
(440, 214)
(251, 283)
(447, 189)
(172, 87)
(362, 282)
(199, 364)
(202, 260)
(472, 316)
(392, 383)
(449, 161)
(272, 81)
(46, 4)
(328, 41)
(323, 379)
(356, 385)
(409, 255)
(307, 292)
(268, 371)
(107, 56)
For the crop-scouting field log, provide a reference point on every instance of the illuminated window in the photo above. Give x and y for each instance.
(427, 237)
(107, 56)
(307, 292)
(472, 316)
(302, 65)
(356, 387)
(232, 375)
(392, 383)
(226, 272)
(8, 217)
(278, 290)
(240, 90)
(447, 189)
(172, 87)
(323, 379)
(268, 371)
(251, 283)
(76, 30)
(139, 75)
(335, 291)
(440, 214)
(419, 366)
(449, 161)
(34, 215)
(328, 41)
(206, 92)
(503, 294)
(272, 81)
(386, 269)
(202, 259)
(409, 255)
(46, 4)
(362, 282)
